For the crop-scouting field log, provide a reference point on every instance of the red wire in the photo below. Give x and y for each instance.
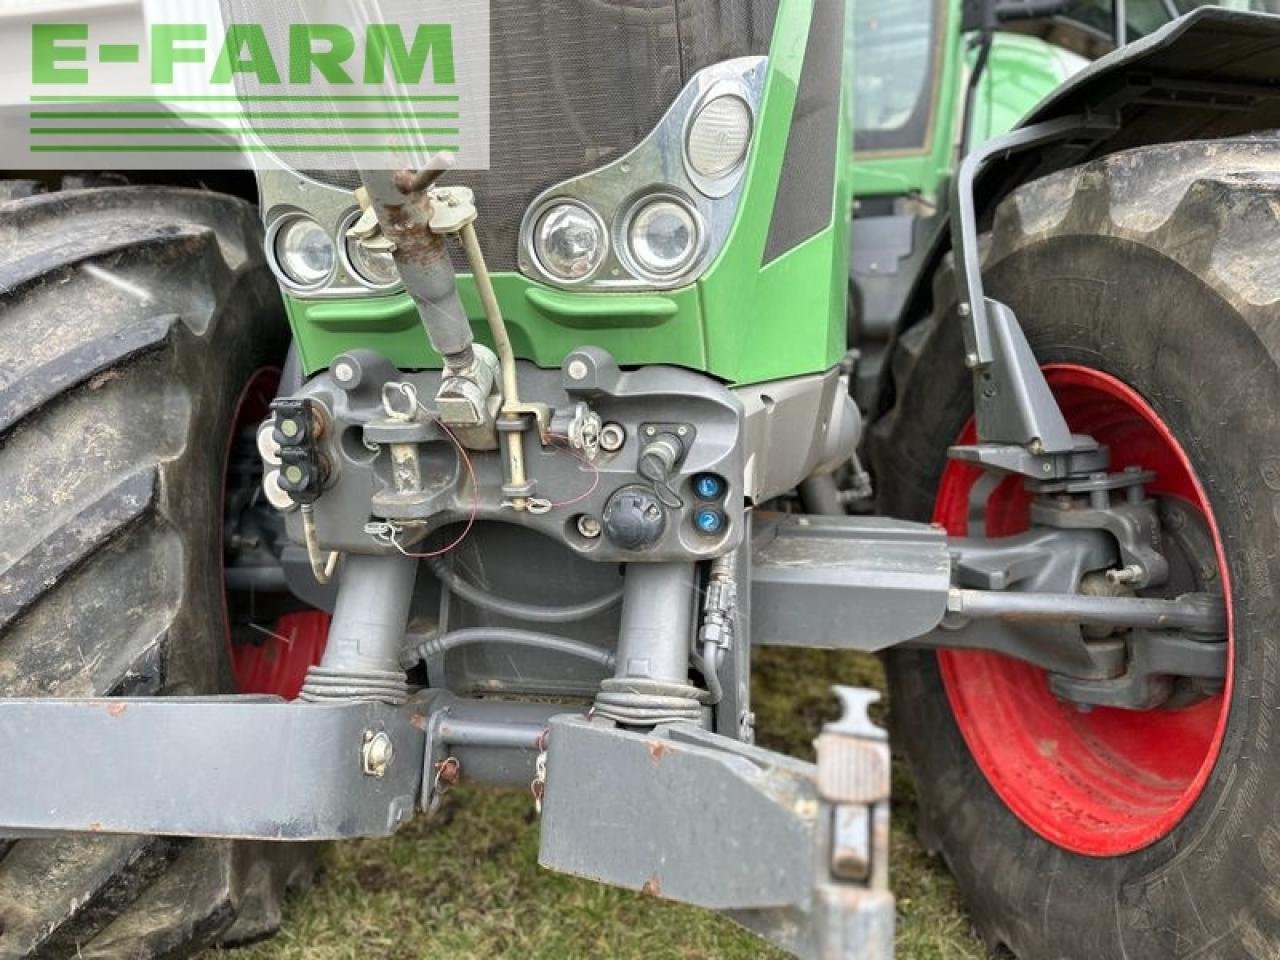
(475, 502)
(595, 472)
(475, 491)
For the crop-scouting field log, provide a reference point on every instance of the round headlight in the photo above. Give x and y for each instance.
(663, 237)
(375, 267)
(719, 136)
(569, 241)
(305, 252)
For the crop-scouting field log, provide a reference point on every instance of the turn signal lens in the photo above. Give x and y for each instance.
(719, 136)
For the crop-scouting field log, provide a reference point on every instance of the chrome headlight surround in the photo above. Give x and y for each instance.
(283, 195)
(657, 168)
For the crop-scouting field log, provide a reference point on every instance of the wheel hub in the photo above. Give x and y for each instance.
(1100, 781)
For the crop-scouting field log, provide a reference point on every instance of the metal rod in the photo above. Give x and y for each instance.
(1197, 612)
(492, 733)
(512, 440)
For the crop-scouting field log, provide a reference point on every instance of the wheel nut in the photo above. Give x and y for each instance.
(376, 753)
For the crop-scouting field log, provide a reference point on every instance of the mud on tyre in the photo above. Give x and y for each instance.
(1156, 269)
(130, 321)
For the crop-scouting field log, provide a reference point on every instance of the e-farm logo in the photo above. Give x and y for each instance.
(330, 85)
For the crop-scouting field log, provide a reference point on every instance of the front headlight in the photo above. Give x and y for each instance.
(304, 252)
(663, 237)
(377, 268)
(569, 241)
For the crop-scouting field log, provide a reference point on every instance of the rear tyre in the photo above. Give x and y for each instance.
(1153, 270)
(130, 322)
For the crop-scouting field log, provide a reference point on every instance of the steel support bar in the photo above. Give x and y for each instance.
(492, 742)
(250, 767)
(859, 583)
(1196, 612)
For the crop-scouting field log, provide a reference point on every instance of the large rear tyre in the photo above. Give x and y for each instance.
(1147, 283)
(130, 322)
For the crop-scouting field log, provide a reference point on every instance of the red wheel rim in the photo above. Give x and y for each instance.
(277, 664)
(1109, 781)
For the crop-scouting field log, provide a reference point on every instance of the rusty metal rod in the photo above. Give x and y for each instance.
(1196, 612)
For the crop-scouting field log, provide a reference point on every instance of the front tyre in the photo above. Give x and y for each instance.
(131, 321)
(1146, 284)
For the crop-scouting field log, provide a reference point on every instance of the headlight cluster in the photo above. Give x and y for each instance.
(660, 237)
(654, 216)
(306, 256)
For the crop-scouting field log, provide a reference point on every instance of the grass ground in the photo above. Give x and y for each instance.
(466, 884)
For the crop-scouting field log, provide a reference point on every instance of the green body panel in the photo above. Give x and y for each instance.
(1020, 72)
(743, 321)
(922, 170)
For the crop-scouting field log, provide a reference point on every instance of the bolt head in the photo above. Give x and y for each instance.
(376, 753)
(290, 428)
(577, 370)
(612, 437)
(588, 526)
(343, 372)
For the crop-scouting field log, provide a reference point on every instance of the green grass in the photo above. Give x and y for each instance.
(466, 883)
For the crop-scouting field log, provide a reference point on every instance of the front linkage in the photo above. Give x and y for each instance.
(656, 786)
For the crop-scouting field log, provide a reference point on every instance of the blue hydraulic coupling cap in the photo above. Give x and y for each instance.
(709, 521)
(708, 486)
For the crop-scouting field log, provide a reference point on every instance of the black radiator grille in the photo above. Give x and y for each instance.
(574, 84)
(577, 83)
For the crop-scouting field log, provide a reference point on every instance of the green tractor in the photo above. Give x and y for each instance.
(327, 487)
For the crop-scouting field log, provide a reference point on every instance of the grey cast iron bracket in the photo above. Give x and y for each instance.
(1020, 426)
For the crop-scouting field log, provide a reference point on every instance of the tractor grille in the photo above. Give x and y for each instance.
(576, 83)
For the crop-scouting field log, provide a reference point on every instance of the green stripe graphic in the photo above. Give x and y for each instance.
(282, 98)
(235, 148)
(236, 115)
(192, 131)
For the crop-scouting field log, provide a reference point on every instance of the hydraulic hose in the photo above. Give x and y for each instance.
(520, 638)
(529, 612)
